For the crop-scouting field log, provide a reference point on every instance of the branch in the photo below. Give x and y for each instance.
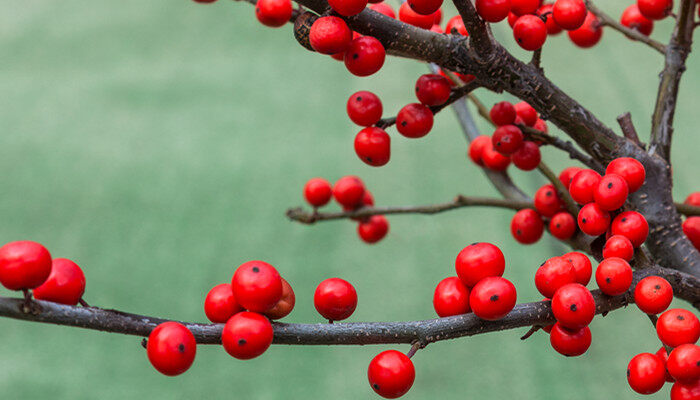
(687, 209)
(606, 20)
(628, 129)
(351, 333)
(566, 146)
(563, 193)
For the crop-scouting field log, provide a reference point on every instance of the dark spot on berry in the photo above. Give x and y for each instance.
(628, 373)
(610, 185)
(241, 342)
(359, 98)
(181, 348)
(369, 159)
(355, 56)
(583, 220)
(558, 226)
(403, 123)
(657, 287)
(548, 193)
(520, 40)
(494, 297)
(475, 243)
(607, 280)
(572, 307)
(624, 219)
(680, 317)
(256, 269)
(375, 386)
(517, 232)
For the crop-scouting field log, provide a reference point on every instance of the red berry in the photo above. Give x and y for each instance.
(589, 34)
(456, 23)
(364, 108)
(567, 174)
(685, 391)
(478, 261)
(554, 274)
(438, 17)
(693, 199)
(569, 14)
(494, 160)
(678, 326)
(507, 139)
(65, 285)
(171, 348)
(348, 191)
(257, 286)
(437, 29)
(273, 13)
(568, 342)
(364, 56)
(583, 185)
(407, 15)
(527, 113)
(425, 7)
(614, 276)
(414, 120)
(530, 32)
(247, 335)
(477, 147)
(547, 201)
(526, 226)
(545, 12)
(373, 146)
(522, 7)
(330, 35)
(634, 19)
(562, 225)
(618, 246)
(512, 18)
(653, 294)
(630, 170)
(492, 298)
(335, 299)
(317, 192)
(493, 10)
(592, 220)
(432, 89)
(646, 373)
(573, 306)
(527, 157)
(663, 356)
(691, 228)
(384, 8)
(684, 363)
(655, 9)
(220, 305)
(391, 374)
(347, 8)
(24, 265)
(611, 192)
(541, 126)
(631, 225)
(451, 297)
(502, 113)
(374, 229)
(286, 303)
(582, 266)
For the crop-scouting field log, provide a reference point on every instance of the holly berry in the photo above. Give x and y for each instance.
(569, 342)
(374, 229)
(618, 246)
(592, 220)
(494, 160)
(414, 120)
(492, 298)
(685, 391)
(614, 276)
(530, 32)
(527, 157)
(691, 229)
(630, 170)
(391, 374)
(653, 294)
(611, 192)
(220, 305)
(330, 35)
(684, 363)
(493, 10)
(438, 17)
(247, 335)
(663, 356)
(583, 186)
(547, 201)
(364, 56)
(407, 15)
(553, 274)
(373, 146)
(589, 34)
(693, 199)
(335, 299)
(507, 139)
(634, 19)
(364, 108)
(526, 112)
(425, 7)
(317, 192)
(451, 297)
(257, 286)
(522, 7)
(348, 191)
(348, 8)
(433, 89)
(631, 225)
(573, 306)
(171, 348)
(273, 13)
(478, 261)
(65, 284)
(678, 326)
(438, 29)
(646, 373)
(502, 113)
(545, 12)
(476, 148)
(569, 14)
(562, 225)
(582, 266)
(384, 8)
(526, 226)
(567, 174)
(655, 9)
(24, 265)
(456, 24)
(286, 303)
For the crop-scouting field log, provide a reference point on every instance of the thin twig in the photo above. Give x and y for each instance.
(563, 193)
(567, 146)
(628, 129)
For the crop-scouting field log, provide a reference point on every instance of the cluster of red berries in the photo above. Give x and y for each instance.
(691, 225)
(27, 265)
(350, 192)
(641, 15)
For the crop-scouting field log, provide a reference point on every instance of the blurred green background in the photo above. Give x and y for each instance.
(159, 143)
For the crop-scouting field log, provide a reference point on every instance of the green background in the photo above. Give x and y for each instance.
(159, 143)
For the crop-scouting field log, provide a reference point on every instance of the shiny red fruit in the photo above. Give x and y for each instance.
(684, 363)
(554, 274)
(589, 34)
(678, 326)
(24, 265)
(526, 112)
(373, 146)
(545, 12)
(530, 32)
(547, 201)
(348, 191)
(492, 298)
(432, 89)
(611, 192)
(634, 19)
(693, 199)
(527, 157)
(247, 335)
(391, 374)
(171, 348)
(631, 225)
(663, 356)
(477, 147)
(456, 24)
(347, 8)
(592, 220)
(273, 13)
(562, 225)
(364, 108)
(646, 373)
(407, 15)
(374, 229)
(478, 261)
(567, 174)
(502, 113)
(384, 8)
(65, 284)
(526, 226)
(317, 192)
(220, 305)
(364, 56)
(691, 229)
(257, 286)
(522, 7)
(286, 303)
(425, 7)
(618, 246)
(569, 14)
(507, 139)
(414, 120)
(573, 306)
(583, 185)
(614, 276)
(653, 295)
(335, 299)
(568, 342)
(493, 10)
(655, 9)
(630, 170)
(494, 160)
(451, 297)
(330, 35)
(685, 391)
(582, 266)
